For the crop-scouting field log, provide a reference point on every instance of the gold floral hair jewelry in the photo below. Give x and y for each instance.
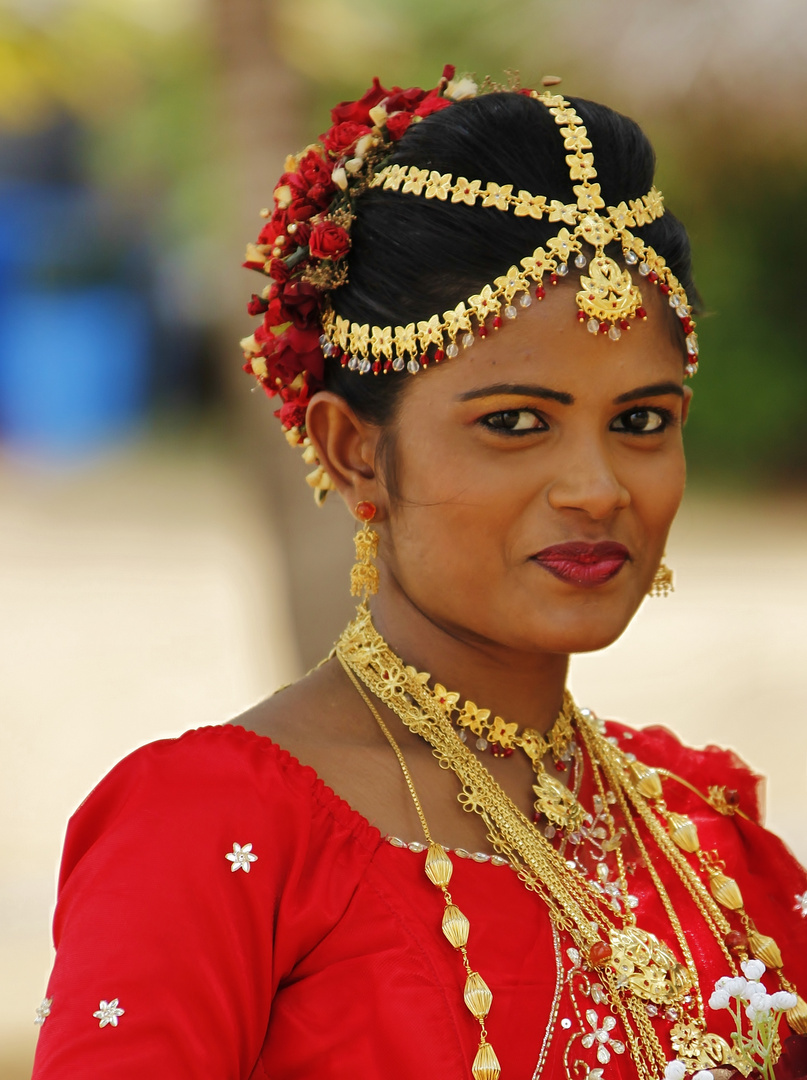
(607, 298)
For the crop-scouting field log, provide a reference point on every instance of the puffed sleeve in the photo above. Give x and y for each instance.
(194, 877)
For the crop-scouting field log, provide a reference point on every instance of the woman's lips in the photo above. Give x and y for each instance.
(584, 564)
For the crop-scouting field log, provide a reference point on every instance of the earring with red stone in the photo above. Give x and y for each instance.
(364, 573)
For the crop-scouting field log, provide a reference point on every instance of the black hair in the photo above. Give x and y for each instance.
(414, 257)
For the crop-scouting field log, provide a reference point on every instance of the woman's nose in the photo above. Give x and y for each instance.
(586, 480)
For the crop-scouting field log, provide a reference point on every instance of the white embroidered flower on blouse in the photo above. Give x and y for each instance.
(241, 857)
(108, 1013)
(801, 903)
(601, 1036)
(43, 1011)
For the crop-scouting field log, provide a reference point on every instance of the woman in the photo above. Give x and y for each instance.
(578, 899)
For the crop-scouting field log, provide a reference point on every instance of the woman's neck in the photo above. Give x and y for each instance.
(522, 688)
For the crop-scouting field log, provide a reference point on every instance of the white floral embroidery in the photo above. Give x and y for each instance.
(601, 1036)
(108, 1013)
(43, 1011)
(801, 903)
(241, 857)
(594, 1074)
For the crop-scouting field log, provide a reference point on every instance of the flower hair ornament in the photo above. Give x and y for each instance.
(303, 248)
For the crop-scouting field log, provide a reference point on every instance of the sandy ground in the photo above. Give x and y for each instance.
(139, 598)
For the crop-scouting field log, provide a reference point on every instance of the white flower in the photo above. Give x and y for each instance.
(241, 857)
(461, 89)
(759, 1007)
(594, 1074)
(751, 990)
(601, 1035)
(783, 1000)
(801, 903)
(753, 969)
(719, 1000)
(676, 1070)
(733, 987)
(704, 1074)
(108, 1013)
(339, 177)
(43, 1011)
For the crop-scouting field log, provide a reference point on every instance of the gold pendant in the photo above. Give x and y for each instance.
(557, 804)
(647, 966)
(698, 1049)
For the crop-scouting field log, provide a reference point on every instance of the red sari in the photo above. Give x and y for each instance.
(318, 952)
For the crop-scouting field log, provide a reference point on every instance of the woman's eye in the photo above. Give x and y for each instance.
(642, 421)
(519, 420)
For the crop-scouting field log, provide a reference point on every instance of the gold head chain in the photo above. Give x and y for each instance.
(607, 298)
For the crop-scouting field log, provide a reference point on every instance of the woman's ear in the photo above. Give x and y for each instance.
(346, 448)
(686, 403)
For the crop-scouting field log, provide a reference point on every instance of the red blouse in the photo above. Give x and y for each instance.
(323, 956)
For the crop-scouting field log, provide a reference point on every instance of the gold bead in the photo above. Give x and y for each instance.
(683, 832)
(477, 995)
(438, 865)
(797, 1017)
(486, 1065)
(764, 948)
(455, 926)
(648, 781)
(726, 891)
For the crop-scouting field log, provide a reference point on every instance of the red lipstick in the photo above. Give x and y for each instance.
(583, 564)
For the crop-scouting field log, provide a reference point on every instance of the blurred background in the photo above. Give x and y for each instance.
(162, 564)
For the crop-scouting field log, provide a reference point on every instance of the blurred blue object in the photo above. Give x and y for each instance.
(73, 373)
(75, 325)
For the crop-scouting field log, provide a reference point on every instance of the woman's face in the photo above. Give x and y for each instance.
(540, 435)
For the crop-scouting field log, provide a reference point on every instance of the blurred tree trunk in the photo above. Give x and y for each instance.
(260, 105)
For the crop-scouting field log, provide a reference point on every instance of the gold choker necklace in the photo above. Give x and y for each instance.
(638, 972)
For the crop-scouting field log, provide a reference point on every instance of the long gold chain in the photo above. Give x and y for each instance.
(477, 995)
(574, 906)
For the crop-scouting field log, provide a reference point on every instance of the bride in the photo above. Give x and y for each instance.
(422, 859)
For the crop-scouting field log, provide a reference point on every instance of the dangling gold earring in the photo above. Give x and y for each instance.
(364, 573)
(662, 584)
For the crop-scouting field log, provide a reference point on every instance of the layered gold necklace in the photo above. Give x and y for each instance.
(639, 973)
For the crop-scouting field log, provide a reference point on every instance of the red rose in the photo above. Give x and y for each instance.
(404, 99)
(292, 414)
(432, 103)
(302, 233)
(343, 137)
(359, 111)
(315, 170)
(278, 270)
(449, 71)
(328, 241)
(257, 305)
(301, 302)
(293, 352)
(270, 232)
(397, 124)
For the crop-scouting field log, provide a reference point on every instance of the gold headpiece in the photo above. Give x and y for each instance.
(607, 298)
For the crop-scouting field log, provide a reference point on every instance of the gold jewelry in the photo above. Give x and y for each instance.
(623, 955)
(662, 584)
(607, 298)
(364, 572)
(553, 799)
(477, 995)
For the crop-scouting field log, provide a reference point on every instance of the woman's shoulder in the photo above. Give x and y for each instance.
(209, 780)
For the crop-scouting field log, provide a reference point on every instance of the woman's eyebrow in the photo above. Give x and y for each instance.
(654, 390)
(520, 389)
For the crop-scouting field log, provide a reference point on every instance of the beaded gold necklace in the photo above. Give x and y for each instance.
(638, 971)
